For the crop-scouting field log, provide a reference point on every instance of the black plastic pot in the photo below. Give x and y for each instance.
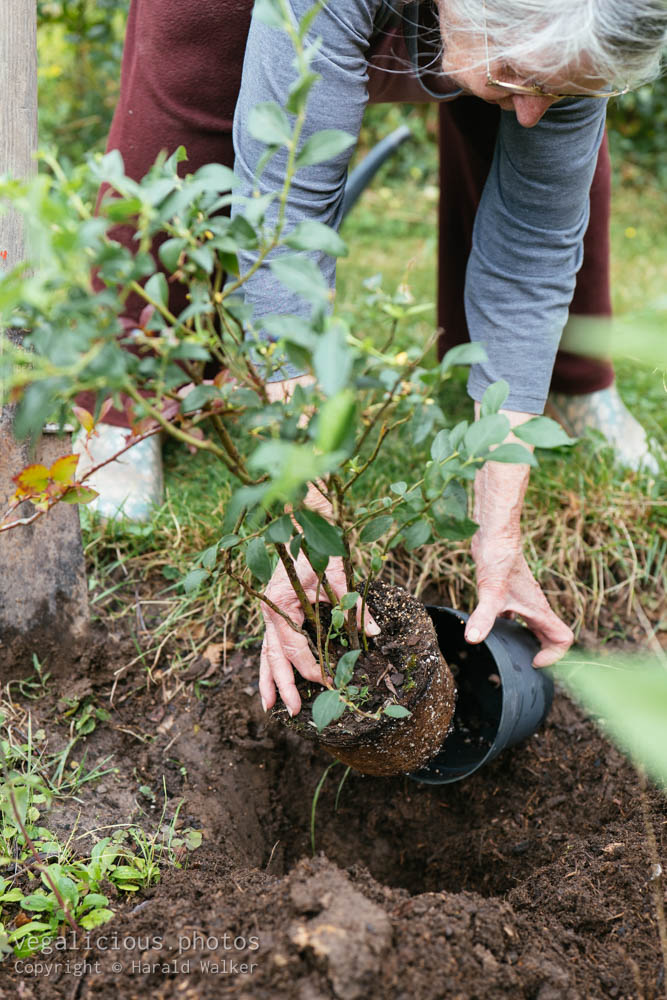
(502, 699)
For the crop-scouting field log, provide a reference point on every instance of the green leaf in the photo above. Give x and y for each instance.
(258, 560)
(299, 91)
(99, 916)
(93, 899)
(332, 360)
(79, 494)
(324, 145)
(457, 434)
(320, 534)
(494, 397)
(313, 235)
(228, 542)
(269, 12)
(628, 694)
(170, 251)
(209, 557)
(335, 421)
(37, 901)
(454, 528)
(399, 488)
(280, 530)
(194, 579)
(376, 528)
(215, 177)
(193, 839)
(198, 397)
(484, 432)
(349, 600)
(25, 929)
(158, 289)
(513, 453)
(338, 618)
(543, 433)
(268, 123)
(326, 708)
(417, 534)
(440, 447)
(396, 712)
(463, 354)
(302, 276)
(295, 545)
(345, 668)
(317, 560)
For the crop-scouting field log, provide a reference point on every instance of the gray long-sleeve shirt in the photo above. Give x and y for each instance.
(529, 228)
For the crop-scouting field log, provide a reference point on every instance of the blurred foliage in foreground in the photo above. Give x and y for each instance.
(80, 47)
(628, 696)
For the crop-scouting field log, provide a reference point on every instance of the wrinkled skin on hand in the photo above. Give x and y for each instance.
(282, 647)
(505, 585)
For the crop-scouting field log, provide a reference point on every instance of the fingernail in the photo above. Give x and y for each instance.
(472, 635)
(289, 711)
(373, 628)
(263, 704)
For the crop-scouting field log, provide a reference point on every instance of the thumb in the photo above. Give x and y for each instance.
(483, 618)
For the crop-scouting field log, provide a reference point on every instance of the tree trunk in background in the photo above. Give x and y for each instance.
(43, 592)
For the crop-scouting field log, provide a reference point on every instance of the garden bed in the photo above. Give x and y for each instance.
(530, 879)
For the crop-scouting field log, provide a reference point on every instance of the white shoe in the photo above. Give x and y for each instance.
(606, 412)
(130, 486)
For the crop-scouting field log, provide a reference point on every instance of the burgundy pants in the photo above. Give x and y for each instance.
(180, 76)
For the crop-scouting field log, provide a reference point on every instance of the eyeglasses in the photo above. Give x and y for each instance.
(534, 89)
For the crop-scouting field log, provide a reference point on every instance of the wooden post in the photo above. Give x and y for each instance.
(43, 592)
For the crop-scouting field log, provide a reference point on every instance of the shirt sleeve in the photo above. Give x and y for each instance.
(336, 101)
(528, 246)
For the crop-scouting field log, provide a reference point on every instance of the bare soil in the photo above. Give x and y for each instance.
(528, 880)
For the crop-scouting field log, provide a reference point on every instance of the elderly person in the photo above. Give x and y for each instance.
(548, 67)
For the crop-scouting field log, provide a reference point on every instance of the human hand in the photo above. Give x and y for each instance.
(506, 587)
(282, 647)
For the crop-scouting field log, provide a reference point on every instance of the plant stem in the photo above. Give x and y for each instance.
(297, 587)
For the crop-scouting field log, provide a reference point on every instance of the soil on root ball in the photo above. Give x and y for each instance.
(403, 666)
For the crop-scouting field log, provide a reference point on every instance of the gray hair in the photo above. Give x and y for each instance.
(622, 41)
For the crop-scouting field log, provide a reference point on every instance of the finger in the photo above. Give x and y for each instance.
(370, 626)
(267, 689)
(555, 642)
(281, 672)
(483, 618)
(554, 635)
(296, 649)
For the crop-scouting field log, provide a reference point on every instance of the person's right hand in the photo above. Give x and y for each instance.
(283, 648)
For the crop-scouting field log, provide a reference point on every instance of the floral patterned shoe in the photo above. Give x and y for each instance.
(606, 412)
(130, 486)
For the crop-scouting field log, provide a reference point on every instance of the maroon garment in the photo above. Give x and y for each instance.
(180, 77)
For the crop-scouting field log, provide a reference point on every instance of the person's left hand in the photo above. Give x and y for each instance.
(506, 587)
(282, 647)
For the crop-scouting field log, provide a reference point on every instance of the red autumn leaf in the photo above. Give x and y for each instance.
(63, 469)
(104, 409)
(143, 426)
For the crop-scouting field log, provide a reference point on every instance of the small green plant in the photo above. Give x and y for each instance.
(319, 443)
(84, 714)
